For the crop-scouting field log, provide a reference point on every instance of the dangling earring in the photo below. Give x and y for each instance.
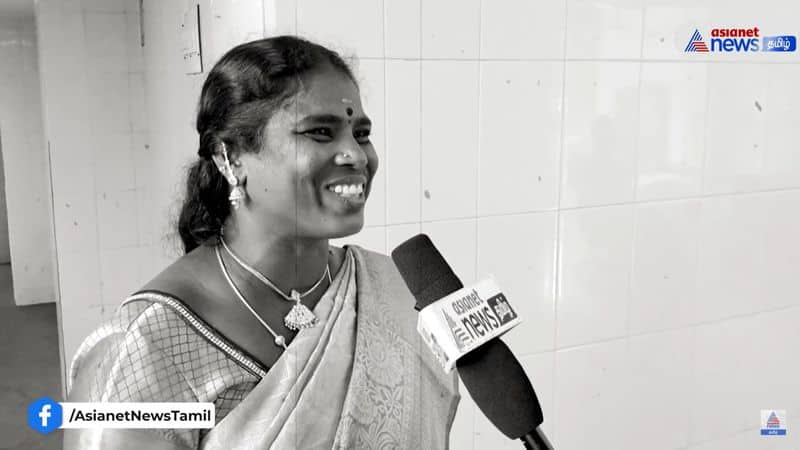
(237, 193)
(236, 196)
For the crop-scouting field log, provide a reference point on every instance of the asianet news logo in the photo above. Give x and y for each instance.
(730, 40)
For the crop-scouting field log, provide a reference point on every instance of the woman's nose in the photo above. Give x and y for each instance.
(352, 154)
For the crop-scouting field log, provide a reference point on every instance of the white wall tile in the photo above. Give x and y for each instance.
(732, 257)
(462, 433)
(402, 164)
(75, 214)
(539, 369)
(590, 393)
(752, 439)
(116, 211)
(736, 124)
(106, 6)
(751, 129)
(370, 238)
(660, 377)
(663, 287)
(519, 251)
(397, 234)
(105, 42)
(114, 161)
(671, 138)
(604, 28)
(146, 222)
(225, 24)
(602, 106)
(521, 29)
(83, 320)
(594, 274)
(520, 136)
(136, 102)
(27, 235)
(402, 18)
(782, 249)
(455, 240)
(79, 287)
(108, 102)
(449, 139)
(459, 38)
(747, 254)
(280, 18)
(119, 270)
(669, 24)
(142, 158)
(354, 28)
(133, 40)
(11, 55)
(155, 31)
(782, 132)
(730, 368)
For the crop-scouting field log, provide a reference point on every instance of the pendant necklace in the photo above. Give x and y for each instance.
(300, 316)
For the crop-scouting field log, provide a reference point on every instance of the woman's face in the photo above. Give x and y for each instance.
(315, 170)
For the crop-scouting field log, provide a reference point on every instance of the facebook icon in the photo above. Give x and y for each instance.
(44, 415)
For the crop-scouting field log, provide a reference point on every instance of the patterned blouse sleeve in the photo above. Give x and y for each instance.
(125, 360)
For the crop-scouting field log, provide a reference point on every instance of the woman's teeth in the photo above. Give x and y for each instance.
(347, 190)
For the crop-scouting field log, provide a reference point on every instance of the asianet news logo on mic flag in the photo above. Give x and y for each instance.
(739, 40)
(460, 322)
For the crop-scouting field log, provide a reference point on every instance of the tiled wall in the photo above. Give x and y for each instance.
(172, 96)
(26, 231)
(639, 205)
(93, 86)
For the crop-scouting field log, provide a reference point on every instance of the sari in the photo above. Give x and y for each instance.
(361, 378)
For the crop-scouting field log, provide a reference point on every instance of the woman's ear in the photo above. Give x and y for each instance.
(219, 161)
(227, 166)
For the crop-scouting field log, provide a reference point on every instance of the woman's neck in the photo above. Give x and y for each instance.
(288, 261)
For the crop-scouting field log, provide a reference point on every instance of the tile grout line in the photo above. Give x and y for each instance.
(603, 205)
(665, 330)
(421, 122)
(385, 134)
(95, 191)
(594, 60)
(558, 256)
(477, 159)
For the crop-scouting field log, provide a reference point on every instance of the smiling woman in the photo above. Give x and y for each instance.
(297, 343)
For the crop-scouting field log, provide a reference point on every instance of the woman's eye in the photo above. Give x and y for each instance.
(320, 134)
(362, 136)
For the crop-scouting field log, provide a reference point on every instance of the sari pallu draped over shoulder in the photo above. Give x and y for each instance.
(361, 379)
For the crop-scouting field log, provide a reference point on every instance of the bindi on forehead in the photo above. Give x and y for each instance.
(349, 111)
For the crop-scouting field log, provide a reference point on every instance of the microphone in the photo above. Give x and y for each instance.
(494, 378)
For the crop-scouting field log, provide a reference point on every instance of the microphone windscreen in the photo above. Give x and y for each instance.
(491, 373)
(499, 386)
(425, 271)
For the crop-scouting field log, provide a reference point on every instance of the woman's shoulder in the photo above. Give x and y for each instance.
(192, 277)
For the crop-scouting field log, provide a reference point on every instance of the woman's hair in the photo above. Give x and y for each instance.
(239, 96)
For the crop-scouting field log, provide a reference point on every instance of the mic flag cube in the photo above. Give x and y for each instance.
(464, 320)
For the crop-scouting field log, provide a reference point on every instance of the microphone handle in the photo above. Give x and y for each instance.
(536, 440)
